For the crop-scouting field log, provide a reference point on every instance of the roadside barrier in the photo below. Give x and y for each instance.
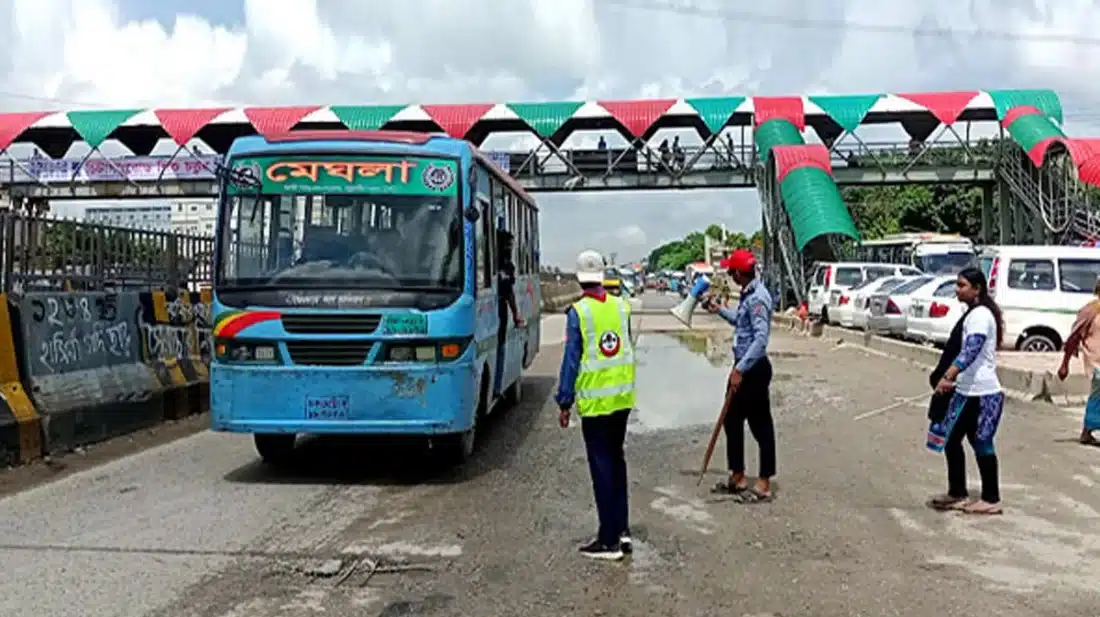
(556, 296)
(78, 368)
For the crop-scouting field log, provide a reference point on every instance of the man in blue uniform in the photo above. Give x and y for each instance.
(750, 381)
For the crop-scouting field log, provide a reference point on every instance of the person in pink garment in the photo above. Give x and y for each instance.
(1084, 340)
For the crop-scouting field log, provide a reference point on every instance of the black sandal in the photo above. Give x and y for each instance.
(726, 488)
(751, 495)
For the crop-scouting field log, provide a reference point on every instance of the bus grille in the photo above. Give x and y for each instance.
(305, 323)
(328, 353)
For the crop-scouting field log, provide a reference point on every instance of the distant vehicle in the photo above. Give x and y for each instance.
(933, 312)
(931, 253)
(1040, 289)
(890, 310)
(830, 279)
(356, 289)
(854, 306)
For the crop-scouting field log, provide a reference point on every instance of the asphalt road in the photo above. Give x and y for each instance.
(198, 528)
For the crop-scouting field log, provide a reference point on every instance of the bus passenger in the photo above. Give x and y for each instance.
(597, 374)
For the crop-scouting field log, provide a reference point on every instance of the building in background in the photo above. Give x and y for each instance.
(194, 218)
(150, 217)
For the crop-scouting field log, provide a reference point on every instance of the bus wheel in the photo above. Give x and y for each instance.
(514, 394)
(275, 449)
(459, 447)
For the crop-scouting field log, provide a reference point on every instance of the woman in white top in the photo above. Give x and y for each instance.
(977, 400)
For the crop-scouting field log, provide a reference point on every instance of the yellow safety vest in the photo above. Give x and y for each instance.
(605, 382)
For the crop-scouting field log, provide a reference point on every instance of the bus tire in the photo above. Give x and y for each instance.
(459, 447)
(513, 396)
(275, 448)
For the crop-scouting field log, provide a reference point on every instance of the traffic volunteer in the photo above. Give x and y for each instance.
(597, 377)
(750, 381)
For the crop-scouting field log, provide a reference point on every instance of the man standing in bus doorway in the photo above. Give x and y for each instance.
(597, 375)
(749, 381)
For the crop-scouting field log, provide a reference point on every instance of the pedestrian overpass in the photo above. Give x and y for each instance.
(1037, 181)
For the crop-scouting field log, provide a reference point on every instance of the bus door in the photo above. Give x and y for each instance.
(511, 340)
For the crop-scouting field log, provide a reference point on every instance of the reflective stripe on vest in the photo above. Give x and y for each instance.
(605, 384)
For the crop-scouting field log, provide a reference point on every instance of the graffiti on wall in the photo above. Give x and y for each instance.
(67, 332)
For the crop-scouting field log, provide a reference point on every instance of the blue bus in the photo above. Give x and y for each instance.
(358, 289)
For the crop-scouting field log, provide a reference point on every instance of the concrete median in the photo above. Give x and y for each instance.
(557, 295)
(1028, 383)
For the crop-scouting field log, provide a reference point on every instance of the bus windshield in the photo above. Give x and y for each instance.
(945, 263)
(388, 223)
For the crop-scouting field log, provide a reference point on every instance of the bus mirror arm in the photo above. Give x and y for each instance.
(471, 214)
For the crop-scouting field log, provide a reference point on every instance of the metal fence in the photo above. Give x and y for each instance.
(44, 253)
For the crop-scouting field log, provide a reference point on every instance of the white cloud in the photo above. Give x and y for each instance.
(350, 51)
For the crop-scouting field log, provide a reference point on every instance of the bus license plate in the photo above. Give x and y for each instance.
(328, 407)
(406, 324)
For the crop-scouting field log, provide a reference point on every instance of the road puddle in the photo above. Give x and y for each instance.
(680, 380)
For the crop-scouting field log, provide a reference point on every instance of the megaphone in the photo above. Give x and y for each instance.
(686, 307)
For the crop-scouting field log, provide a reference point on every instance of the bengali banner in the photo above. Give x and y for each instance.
(135, 168)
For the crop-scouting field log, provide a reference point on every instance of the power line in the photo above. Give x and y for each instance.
(687, 7)
(44, 99)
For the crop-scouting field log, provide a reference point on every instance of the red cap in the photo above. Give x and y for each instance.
(741, 260)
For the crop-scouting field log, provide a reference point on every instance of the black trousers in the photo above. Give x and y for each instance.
(604, 437)
(967, 426)
(752, 403)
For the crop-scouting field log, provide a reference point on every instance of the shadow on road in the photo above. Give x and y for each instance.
(400, 460)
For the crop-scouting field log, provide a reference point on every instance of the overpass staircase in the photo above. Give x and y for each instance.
(1058, 208)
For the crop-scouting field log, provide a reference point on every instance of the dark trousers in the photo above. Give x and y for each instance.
(603, 439)
(752, 403)
(967, 426)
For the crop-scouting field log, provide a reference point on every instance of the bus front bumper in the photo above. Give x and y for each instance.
(394, 400)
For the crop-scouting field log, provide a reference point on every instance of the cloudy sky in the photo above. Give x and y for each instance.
(61, 54)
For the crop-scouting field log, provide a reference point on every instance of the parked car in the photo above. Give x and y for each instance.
(889, 310)
(1040, 289)
(933, 312)
(830, 279)
(855, 304)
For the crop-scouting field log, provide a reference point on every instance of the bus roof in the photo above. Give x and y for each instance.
(410, 143)
(918, 238)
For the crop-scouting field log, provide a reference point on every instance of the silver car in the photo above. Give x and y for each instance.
(889, 310)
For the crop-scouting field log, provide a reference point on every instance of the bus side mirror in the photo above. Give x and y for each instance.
(472, 214)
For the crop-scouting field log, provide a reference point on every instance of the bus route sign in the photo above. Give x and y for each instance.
(349, 174)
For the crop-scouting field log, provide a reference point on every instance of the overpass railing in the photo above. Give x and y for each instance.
(42, 253)
(888, 157)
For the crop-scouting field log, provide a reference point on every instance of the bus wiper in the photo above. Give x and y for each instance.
(244, 178)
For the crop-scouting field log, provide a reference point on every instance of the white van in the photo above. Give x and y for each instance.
(830, 279)
(1040, 289)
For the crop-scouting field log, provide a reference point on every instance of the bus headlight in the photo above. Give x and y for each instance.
(246, 351)
(427, 351)
(411, 353)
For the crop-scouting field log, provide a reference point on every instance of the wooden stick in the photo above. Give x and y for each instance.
(714, 436)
